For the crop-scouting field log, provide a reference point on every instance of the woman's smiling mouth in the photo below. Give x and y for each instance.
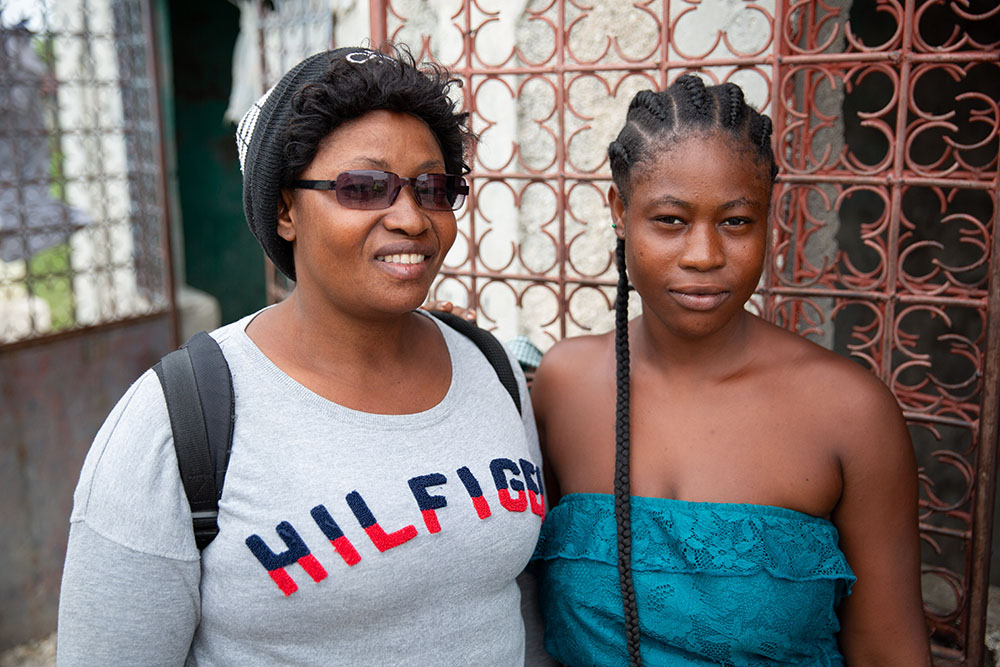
(408, 258)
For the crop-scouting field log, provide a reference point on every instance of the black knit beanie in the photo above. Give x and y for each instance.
(260, 140)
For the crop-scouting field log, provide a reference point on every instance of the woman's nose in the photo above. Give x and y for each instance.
(702, 248)
(406, 215)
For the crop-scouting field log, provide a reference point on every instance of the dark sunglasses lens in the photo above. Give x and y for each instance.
(441, 192)
(366, 190)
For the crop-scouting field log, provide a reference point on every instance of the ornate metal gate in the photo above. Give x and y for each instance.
(884, 240)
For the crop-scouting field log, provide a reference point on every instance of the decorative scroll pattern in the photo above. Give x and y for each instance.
(882, 243)
(886, 127)
(548, 85)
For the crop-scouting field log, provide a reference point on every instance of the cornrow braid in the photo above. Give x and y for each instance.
(618, 156)
(651, 102)
(623, 497)
(655, 121)
(695, 100)
(736, 106)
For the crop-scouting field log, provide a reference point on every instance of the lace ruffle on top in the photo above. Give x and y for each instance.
(716, 584)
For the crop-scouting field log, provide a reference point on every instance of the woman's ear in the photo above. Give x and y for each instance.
(286, 225)
(617, 211)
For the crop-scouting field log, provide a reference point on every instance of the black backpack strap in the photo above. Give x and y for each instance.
(491, 348)
(198, 389)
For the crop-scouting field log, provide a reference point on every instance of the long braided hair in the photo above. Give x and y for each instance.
(655, 120)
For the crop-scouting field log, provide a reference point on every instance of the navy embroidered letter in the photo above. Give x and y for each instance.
(475, 491)
(276, 563)
(379, 537)
(335, 535)
(497, 467)
(426, 502)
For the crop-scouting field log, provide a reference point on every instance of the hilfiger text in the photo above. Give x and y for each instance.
(522, 478)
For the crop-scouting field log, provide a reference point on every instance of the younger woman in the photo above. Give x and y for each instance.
(774, 515)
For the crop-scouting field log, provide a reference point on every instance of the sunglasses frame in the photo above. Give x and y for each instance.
(396, 182)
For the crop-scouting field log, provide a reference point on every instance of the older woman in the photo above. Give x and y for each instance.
(376, 505)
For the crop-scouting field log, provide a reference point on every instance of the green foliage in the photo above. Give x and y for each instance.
(49, 278)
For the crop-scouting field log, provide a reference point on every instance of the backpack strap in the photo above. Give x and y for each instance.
(198, 388)
(491, 348)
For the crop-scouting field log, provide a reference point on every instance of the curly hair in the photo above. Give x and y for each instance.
(281, 133)
(350, 89)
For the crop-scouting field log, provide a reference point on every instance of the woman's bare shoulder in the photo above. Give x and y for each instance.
(789, 352)
(569, 352)
(849, 398)
(570, 364)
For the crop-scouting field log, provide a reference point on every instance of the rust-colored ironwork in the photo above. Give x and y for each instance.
(884, 244)
(908, 183)
(989, 439)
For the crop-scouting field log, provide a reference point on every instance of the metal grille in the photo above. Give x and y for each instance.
(884, 243)
(886, 219)
(82, 224)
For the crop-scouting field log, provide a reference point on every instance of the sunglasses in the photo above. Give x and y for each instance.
(372, 190)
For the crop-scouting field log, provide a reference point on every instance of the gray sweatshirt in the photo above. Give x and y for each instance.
(345, 538)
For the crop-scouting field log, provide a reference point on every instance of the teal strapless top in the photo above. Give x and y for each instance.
(716, 584)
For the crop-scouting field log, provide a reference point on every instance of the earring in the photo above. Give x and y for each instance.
(613, 225)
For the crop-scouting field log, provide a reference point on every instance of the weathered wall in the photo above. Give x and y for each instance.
(54, 396)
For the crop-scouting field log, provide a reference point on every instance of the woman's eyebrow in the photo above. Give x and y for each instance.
(739, 201)
(430, 164)
(670, 200)
(372, 162)
(378, 163)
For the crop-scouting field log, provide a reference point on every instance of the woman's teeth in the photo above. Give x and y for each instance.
(401, 259)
